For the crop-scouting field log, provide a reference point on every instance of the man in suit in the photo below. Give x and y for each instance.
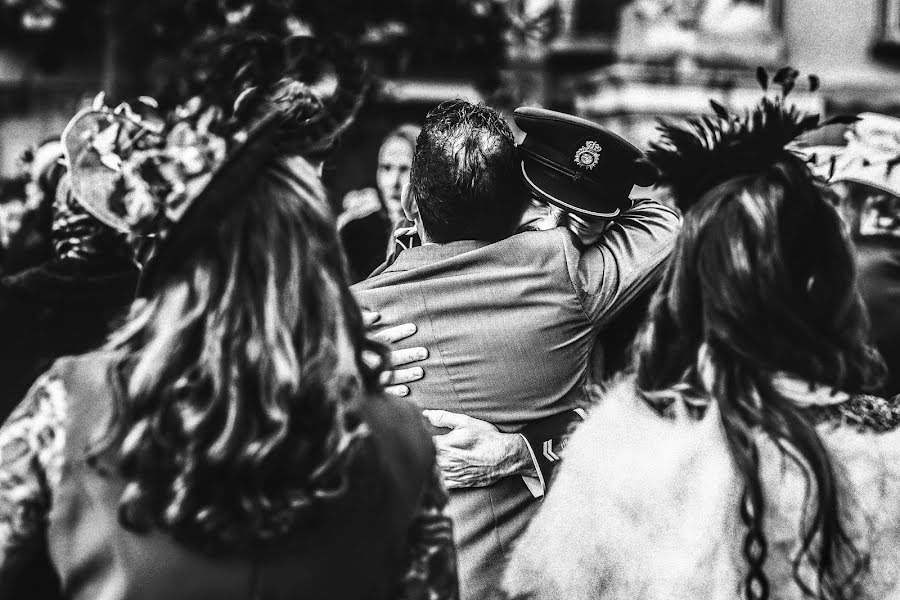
(510, 320)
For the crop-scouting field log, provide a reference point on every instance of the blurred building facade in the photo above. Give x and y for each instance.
(668, 57)
(620, 62)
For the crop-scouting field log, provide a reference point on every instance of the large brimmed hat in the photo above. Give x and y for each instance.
(166, 182)
(172, 179)
(870, 157)
(577, 165)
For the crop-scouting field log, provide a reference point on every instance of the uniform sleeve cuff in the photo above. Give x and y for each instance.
(534, 483)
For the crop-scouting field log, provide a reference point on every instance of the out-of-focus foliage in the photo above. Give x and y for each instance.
(150, 37)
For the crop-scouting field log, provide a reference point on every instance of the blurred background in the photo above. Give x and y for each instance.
(622, 63)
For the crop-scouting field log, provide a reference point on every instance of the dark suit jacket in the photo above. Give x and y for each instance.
(510, 327)
(365, 242)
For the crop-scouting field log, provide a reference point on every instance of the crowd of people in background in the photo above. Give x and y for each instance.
(606, 395)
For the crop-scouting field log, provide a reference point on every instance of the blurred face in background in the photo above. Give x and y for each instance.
(394, 163)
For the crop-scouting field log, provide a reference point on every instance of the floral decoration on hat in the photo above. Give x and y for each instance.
(136, 172)
(588, 156)
(697, 154)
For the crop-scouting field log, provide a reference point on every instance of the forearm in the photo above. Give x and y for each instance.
(645, 229)
(626, 260)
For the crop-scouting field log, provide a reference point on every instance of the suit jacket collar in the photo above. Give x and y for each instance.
(432, 253)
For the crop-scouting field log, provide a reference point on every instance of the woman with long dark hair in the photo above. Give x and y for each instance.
(230, 441)
(742, 458)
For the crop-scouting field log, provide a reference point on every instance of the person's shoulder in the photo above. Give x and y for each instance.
(866, 464)
(635, 493)
(552, 238)
(623, 431)
(870, 460)
(381, 277)
(629, 453)
(87, 373)
(538, 246)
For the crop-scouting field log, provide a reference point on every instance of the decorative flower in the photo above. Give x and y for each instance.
(139, 204)
(139, 175)
(588, 155)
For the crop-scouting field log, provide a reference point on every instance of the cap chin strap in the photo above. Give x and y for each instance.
(551, 198)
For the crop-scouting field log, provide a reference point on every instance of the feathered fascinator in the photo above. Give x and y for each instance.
(317, 84)
(697, 154)
(162, 179)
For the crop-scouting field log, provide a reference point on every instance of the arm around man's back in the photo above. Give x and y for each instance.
(626, 259)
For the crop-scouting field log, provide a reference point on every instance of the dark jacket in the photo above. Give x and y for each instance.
(355, 547)
(47, 312)
(365, 242)
(55, 310)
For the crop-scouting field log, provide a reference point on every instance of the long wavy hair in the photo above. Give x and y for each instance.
(240, 380)
(762, 280)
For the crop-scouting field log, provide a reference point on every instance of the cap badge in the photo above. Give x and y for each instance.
(588, 155)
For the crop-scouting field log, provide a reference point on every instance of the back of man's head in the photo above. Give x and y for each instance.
(465, 174)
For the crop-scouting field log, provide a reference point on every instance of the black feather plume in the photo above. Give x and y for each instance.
(697, 154)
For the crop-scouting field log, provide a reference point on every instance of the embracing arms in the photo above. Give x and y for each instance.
(624, 261)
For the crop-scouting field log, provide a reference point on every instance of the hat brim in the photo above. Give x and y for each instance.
(93, 182)
(563, 192)
(872, 176)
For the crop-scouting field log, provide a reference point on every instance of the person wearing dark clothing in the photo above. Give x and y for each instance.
(365, 243)
(878, 264)
(370, 216)
(65, 306)
(54, 310)
(47, 312)
(232, 439)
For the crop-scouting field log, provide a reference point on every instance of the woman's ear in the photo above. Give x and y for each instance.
(409, 204)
